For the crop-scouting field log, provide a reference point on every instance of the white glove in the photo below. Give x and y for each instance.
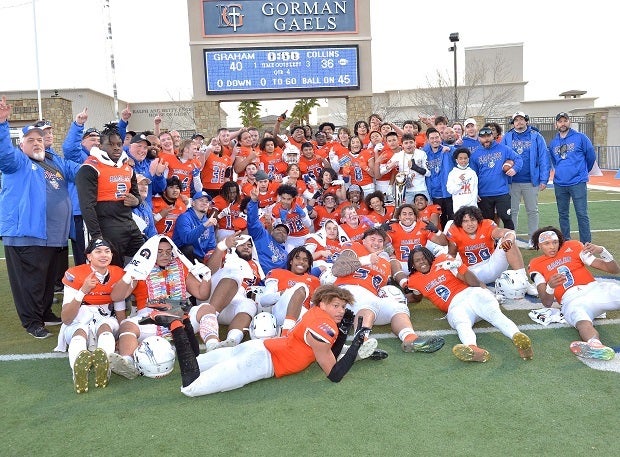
(200, 271)
(225, 212)
(379, 147)
(338, 182)
(449, 264)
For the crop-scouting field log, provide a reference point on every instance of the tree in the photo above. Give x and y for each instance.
(487, 91)
(249, 111)
(301, 111)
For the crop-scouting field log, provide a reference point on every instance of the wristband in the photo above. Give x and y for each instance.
(222, 246)
(550, 290)
(606, 255)
(127, 278)
(79, 296)
(403, 282)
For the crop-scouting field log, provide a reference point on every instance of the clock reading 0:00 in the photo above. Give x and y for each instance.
(284, 56)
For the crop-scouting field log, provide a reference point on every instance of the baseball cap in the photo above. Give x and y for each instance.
(43, 124)
(91, 132)
(354, 188)
(97, 243)
(561, 115)
(517, 114)
(140, 178)
(261, 175)
(282, 225)
(31, 129)
(470, 120)
(139, 137)
(201, 194)
(485, 131)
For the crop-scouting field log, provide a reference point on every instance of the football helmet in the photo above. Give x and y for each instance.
(263, 326)
(392, 292)
(154, 357)
(511, 285)
(290, 154)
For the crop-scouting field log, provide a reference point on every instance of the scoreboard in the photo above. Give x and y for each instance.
(280, 69)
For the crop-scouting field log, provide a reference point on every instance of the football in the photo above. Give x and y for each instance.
(507, 165)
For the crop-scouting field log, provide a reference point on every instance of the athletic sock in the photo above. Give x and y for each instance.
(106, 342)
(209, 327)
(190, 371)
(77, 345)
(191, 335)
(406, 335)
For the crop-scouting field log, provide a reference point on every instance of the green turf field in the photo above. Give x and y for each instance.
(427, 404)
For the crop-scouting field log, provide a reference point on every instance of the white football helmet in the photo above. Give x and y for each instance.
(263, 326)
(511, 285)
(290, 154)
(154, 357)
(392, 292)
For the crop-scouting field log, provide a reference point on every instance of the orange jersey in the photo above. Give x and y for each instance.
(266, 199)
(214, 173)
(566, 262)
(474, 250)
(165, 225)
(426, 213)
(370, 277)
(244, 152)
(388, 154)
(287, 279)
(405, 241)
(359, 169)
(113, 183)
(334, 247)
(438, 285)
(290, 218)
(292, 354)
(273, 164)
(355, 233)
(183, 171)
(100, 294)
(378, 218)
(311, 167)
(322, 215)
(232, 221)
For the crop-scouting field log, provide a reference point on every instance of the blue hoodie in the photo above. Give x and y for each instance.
(271, 254)
(22, 199)
(487, 163)
(531, 146)
(189, 229)
(439, 164)
(572, 157)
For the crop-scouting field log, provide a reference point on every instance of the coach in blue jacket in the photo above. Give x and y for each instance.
(35, 216)
(573, 157)
(533, 176)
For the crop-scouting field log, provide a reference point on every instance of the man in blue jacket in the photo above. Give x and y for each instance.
(533, 176)
(194, 230)
(489, 161)
(35, 215)
(439, 162)
(572, 156)
(270, 247)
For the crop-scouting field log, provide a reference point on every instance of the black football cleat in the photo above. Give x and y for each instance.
(160, 318)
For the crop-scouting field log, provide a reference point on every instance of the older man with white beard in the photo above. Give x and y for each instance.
(35, 212)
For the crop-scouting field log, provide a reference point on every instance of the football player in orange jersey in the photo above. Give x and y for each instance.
(474, 239)
(87, 318)
(364, 269)
(561, 273)
(168, 206)
(318, 336)
(288, 291)
(455, 290)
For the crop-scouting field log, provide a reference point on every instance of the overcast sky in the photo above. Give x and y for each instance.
(567, 45)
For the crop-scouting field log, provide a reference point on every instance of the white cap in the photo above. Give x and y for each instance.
(470, 120)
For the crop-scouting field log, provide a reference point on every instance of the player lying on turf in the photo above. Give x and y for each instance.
(561, 273)
(455, 290)
(319, 335)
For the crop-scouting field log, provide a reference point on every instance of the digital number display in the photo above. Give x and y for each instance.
(281, 69)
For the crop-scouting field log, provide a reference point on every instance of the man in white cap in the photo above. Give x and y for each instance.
(35, 217)
(470, 138)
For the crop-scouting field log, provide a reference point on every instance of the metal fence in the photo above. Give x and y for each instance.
(608, 157)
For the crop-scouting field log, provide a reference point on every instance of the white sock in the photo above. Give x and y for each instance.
(106, 342)
(235, 334)
(77, 345)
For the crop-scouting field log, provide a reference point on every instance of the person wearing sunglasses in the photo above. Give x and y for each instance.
(572, 157)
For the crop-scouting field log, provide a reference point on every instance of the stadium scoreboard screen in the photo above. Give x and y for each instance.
(281, 69)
